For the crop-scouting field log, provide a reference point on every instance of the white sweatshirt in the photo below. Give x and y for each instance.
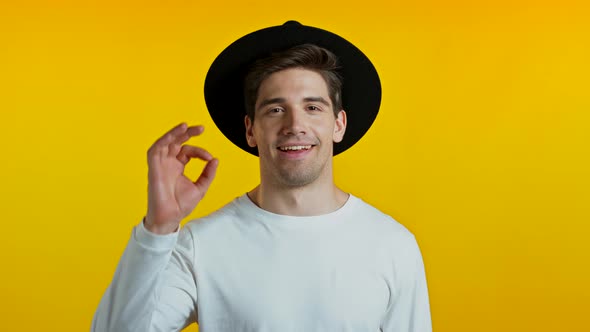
(246, 269)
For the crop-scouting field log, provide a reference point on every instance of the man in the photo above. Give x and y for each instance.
(296, 253)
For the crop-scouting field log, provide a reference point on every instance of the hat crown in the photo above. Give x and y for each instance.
(292, 23)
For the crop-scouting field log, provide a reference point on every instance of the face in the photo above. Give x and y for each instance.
(294, 128)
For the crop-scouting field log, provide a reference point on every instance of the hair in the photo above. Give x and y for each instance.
(306, 56)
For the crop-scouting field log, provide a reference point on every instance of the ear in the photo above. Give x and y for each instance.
(249, 131)
(340, 127)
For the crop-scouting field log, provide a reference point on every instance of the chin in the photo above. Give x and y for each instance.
(291, 178)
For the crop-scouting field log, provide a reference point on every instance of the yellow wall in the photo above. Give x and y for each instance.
(481, 147)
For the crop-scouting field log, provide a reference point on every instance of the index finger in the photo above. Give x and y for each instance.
(190, 132)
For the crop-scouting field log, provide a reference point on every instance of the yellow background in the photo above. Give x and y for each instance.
(481, 147)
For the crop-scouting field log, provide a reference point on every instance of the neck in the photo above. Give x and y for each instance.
(310, 200)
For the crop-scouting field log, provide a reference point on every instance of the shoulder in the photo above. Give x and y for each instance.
(372, 216)
(221, 220)
(388, 234)
(396, 242)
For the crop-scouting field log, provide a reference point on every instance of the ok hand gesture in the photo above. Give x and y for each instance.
(171, 195)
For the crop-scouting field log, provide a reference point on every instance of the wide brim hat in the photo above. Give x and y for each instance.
(224, 84)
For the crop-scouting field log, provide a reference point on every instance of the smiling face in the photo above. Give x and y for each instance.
(294, 128)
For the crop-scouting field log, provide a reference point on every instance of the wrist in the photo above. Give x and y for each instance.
(162, 229)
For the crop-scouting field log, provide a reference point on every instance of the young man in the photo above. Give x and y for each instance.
(296, 253)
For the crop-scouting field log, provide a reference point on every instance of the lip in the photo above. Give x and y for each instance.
(295, 154)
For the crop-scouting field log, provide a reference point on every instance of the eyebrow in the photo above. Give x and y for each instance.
(271, 101)
(317, 100)
(282, 100)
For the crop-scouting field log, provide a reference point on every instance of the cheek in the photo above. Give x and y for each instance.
(264, 139)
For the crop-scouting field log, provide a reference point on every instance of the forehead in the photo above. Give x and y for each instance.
(293, 83)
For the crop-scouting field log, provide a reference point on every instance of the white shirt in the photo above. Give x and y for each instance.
(246, 269)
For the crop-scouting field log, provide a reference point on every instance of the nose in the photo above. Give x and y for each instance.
(294, 122)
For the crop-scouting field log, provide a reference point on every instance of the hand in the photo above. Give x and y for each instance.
(171, 195)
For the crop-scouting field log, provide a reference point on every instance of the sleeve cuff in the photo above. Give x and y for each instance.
(152, 240)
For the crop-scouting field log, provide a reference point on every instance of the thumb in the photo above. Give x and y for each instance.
(207, 176)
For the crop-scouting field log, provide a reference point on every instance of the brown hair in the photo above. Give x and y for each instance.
(307, 56)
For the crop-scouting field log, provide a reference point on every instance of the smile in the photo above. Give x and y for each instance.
(295, 147)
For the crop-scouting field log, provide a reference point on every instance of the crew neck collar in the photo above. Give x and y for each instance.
(248, 205)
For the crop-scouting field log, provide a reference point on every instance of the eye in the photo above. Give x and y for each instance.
(275, 110)
(313, 108)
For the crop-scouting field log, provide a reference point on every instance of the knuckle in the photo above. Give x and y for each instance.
(175, 150)
(154, 149)
(187, 148)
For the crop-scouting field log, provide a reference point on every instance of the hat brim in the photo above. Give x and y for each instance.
(224, 83)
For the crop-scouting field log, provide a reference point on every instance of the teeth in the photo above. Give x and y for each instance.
(295, 148)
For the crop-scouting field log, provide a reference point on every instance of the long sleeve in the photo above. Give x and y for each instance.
(153, 288)
(409, 310)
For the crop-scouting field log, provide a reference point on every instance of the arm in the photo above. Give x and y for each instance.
(409, 309)
(153, 288)
(154, 284)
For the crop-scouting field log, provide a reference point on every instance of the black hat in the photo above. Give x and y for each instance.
(224, 84)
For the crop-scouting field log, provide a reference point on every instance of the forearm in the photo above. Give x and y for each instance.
(131, 299)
